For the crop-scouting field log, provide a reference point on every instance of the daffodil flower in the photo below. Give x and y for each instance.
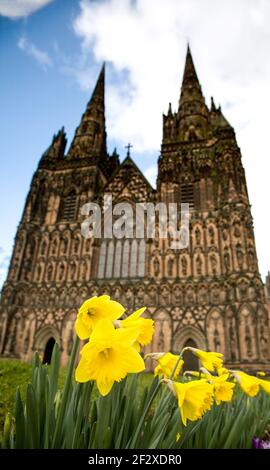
(145, 327)
(166, 364)
(223, 390)
(248, 383)
(194, 398)
(93, 310)
(209, 360)
(109, 356)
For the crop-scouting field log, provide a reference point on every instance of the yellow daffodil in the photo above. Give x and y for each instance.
(93, 310)
(265, 385)
(194, 398)
(200, 375)
(109, 356)
(178, 437)
(248, 383)
(222, 371)
(166, 364)
(209, 360)
(261, 374)
(223, 390)
(144, 325)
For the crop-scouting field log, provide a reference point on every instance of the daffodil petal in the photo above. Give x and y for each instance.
(81, 329)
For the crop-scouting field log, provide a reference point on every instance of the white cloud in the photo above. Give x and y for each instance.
(31, 49)
(19, 8)
(230, 44)
(151, 174)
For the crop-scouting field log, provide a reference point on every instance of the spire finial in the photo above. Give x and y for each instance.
(128, 147)
(213, 106)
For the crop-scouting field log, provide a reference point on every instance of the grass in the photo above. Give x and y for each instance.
(15, 373)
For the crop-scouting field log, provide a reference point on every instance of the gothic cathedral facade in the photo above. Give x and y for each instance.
(209, 295)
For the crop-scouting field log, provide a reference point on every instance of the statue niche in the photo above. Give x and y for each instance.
(216, 334)
(163, 332)
(247, 335)
(184, 265)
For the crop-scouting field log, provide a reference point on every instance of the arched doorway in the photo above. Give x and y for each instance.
(48, 351)
(191, 362)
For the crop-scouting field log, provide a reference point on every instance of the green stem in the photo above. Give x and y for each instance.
(142, 420)
(67, 386)
(176, 365)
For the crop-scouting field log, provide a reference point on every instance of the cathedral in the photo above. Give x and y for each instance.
(209, 295)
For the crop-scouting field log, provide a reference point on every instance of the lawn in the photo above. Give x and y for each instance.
(15, 373)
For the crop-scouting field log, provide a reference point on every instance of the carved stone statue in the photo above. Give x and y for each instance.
(232, 338)
(202, 295)
(239, 256)
(229, 293)
(49, 272)
(248, 341)
(84, 270)
(263, 342)
(76, 245)
(213, 263)
(170, 266)
(151, 295)
(211, 235)
(26, 342)
(215, 295)
(184, 265)
(227, 262)
(161, 338)
(224, 234)
(243, 290)
(217, 343)
(38, 273)
(198, 236)
(164, 295)
(72, 270)
(64, 245)
(236, 231)
(140, 296)
(251, 260)
(61, 272)
(189, 296)
(54, 246)
(199, 265)
(177, 294)
(156, 267)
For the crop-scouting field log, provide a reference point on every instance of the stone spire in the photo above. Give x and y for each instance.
(193, 114)
(90, 135)
(190, 81)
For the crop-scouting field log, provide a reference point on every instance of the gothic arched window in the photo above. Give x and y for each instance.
(68, 206)
(121, 259)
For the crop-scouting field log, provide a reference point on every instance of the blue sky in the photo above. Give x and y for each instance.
(39, 94)
(51, 52)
